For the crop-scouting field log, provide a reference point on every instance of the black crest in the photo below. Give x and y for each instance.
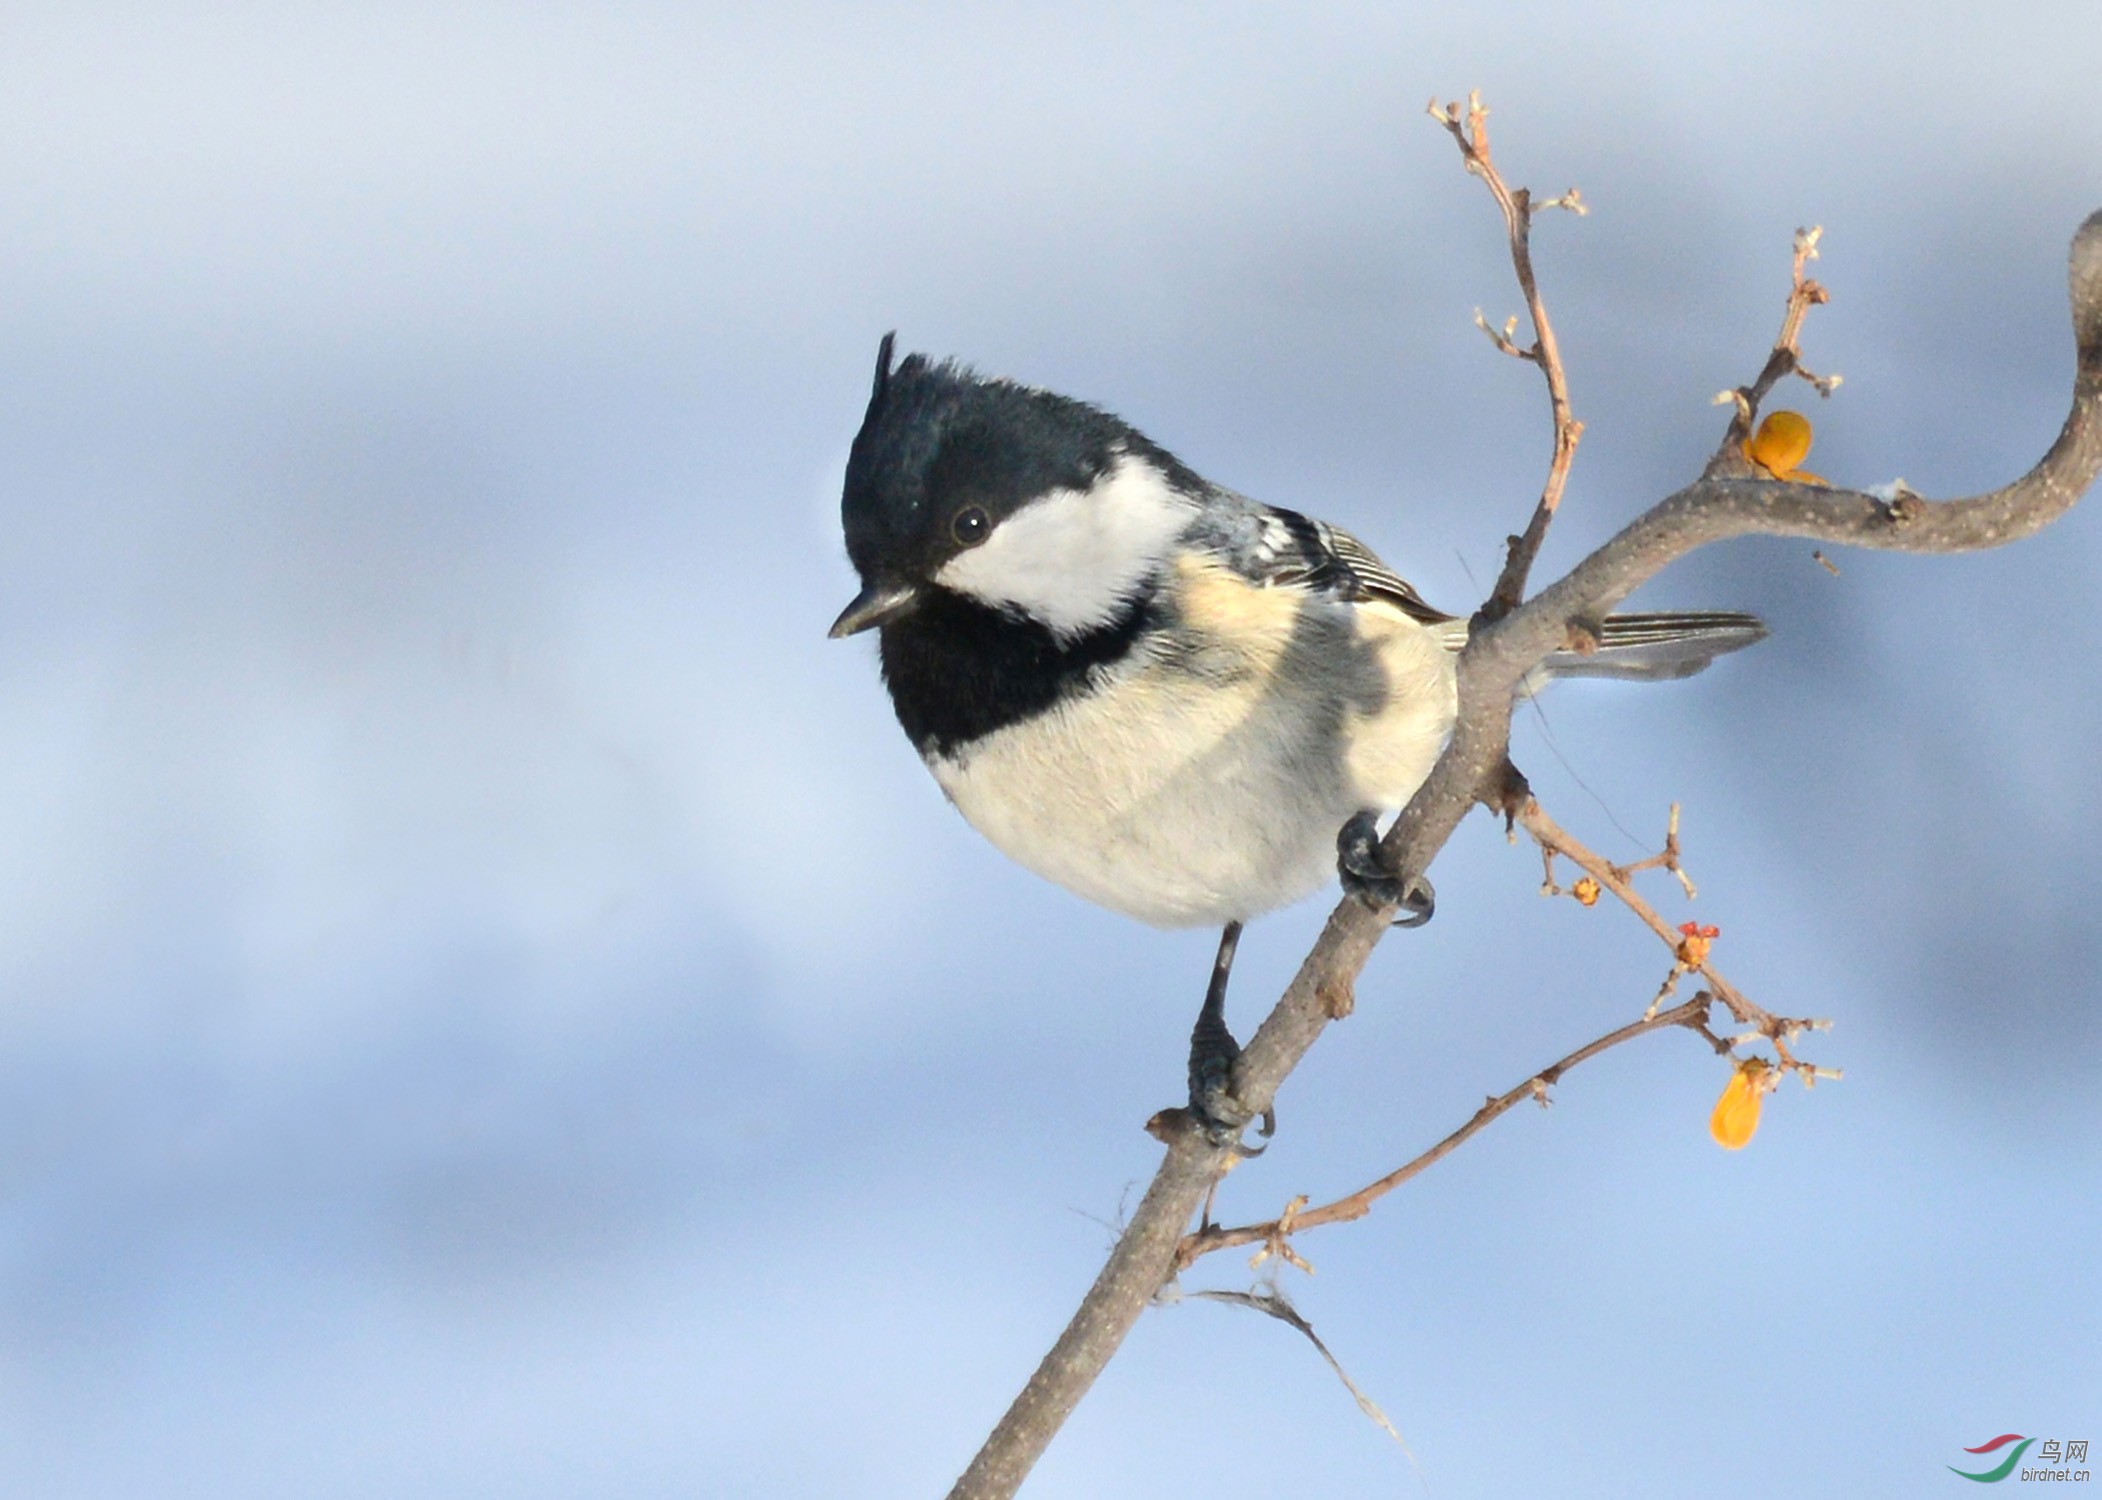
(883, 352)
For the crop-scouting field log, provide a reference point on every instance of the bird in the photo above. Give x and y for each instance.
(1169, 698)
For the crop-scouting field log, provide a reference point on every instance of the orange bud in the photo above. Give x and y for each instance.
(1694, 942)
(1736, 1114)
(1586, 891)
(1782, 442)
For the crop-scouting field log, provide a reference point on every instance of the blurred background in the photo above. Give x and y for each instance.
(491, 1005)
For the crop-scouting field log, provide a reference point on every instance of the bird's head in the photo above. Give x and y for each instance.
(1028, 502)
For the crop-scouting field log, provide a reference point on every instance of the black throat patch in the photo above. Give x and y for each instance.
(958, 670)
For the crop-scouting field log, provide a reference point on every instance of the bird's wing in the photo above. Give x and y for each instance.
(1298, 550)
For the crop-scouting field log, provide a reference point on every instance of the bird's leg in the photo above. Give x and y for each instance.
(1213, 1052)
(1365, 875)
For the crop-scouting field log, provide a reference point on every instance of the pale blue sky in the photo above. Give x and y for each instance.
(489, 1003)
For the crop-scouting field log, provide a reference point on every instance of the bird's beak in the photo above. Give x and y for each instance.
(878, 604)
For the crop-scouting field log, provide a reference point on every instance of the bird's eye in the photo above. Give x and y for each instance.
(970, 525)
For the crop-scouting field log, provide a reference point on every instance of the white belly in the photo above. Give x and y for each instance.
(1207, 782)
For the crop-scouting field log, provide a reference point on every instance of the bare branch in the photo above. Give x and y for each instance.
(1689, 944)
(1472, 135)
(1785, 359)
(1499, 654)
(1134, 1273)
(1497, 657)
(1665, 859)
(1690, 952)
(1692, 1014)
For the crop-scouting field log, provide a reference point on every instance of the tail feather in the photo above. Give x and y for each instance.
(1660, 646)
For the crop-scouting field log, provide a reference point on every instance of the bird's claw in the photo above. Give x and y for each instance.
(1366, 877)
(1213, 1052)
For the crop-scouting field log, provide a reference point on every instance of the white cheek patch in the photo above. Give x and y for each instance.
(1074, 558)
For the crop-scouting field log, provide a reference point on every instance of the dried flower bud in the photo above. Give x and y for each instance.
(1736, 1114)
(1694, 942)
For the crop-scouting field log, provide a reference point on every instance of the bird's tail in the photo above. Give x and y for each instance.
(1656, 647)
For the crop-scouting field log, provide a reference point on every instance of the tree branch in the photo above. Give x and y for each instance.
(1471, 132)
(1691, 1014)
(1781, 1031)
(1778, 1031)
(1498, 656)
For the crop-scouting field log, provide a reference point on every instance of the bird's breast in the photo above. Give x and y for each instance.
(1202, 776)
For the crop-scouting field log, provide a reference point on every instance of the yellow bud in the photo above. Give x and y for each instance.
(1694, 943)
(1736, 1114)
(1781, 443)
(1586, 891)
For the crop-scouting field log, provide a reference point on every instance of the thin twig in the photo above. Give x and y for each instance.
(1783, 360)
(1272, 1302)
(1471, 133)
(1666, 858)
(1690, 949)
(1273, 1234)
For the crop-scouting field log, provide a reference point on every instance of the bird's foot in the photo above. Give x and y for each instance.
(1213, 1053)
(1366, 877)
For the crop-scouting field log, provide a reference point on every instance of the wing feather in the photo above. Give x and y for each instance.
(1274, 547)
(1300, 551)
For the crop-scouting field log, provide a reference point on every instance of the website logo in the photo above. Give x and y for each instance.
(2056, 1460)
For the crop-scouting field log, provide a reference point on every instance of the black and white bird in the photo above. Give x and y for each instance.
(1174, 700)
